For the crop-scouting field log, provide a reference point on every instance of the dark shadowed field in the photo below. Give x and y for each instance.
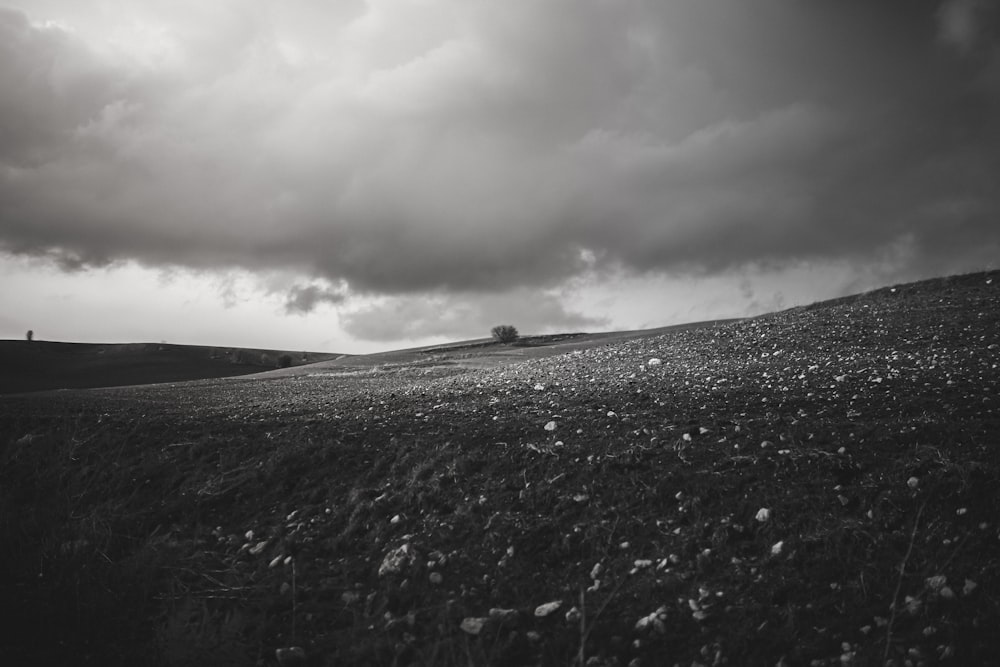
(44, 365)
(813, 487)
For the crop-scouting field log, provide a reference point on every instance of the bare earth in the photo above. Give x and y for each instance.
(813, 487)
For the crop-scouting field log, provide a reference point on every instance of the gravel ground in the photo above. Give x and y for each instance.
(815, 486)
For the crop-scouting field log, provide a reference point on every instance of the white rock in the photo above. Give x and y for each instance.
(397, 559)
(551, 426)
(473, 625)
(651, 623)
(503, 615)
(763, 515)
(539, 387)
(913, 482)
(654, 362)
(544, 610)
(776, 549)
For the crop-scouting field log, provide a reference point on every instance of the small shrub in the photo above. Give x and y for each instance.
(505, 333)
(284, 361)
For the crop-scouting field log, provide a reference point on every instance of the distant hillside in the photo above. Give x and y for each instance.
(42, 365)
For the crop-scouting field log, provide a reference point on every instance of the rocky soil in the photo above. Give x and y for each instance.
(813, 487)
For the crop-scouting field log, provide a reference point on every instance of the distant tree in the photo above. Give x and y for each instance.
(30, 335)
(284, 361)
(505, 333)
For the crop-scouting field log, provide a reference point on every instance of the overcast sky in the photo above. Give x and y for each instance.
(361, 175)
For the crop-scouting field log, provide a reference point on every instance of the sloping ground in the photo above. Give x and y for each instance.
(43, 365)
(487, 353)
(813, 487)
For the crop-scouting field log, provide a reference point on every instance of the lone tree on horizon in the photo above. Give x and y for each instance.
(505, 333)
(30, 335)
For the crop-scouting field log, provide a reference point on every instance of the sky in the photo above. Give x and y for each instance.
(364, 175)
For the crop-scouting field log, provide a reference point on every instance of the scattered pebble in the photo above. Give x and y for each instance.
(544, 610)
(503, 615)
(473, 625)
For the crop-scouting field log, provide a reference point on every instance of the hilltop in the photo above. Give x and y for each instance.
(809, 487)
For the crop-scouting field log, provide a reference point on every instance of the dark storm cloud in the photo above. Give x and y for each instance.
(482, 146)
(303, 299)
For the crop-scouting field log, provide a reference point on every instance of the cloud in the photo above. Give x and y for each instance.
(467, 316)
(303, 299)
(961, 22)
(453, 149)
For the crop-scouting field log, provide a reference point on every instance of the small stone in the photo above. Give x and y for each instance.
(276, 561)
(503, 615)
(651, 623)
(436, 578)
(763, 515)
(473, 625)
(777, 548)
(397, 559)
(573, 615)
(596, 571)
(544, 610)
(913, 482)
(539, 387)
(970, 586)
(654, 362)
(551, 426)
